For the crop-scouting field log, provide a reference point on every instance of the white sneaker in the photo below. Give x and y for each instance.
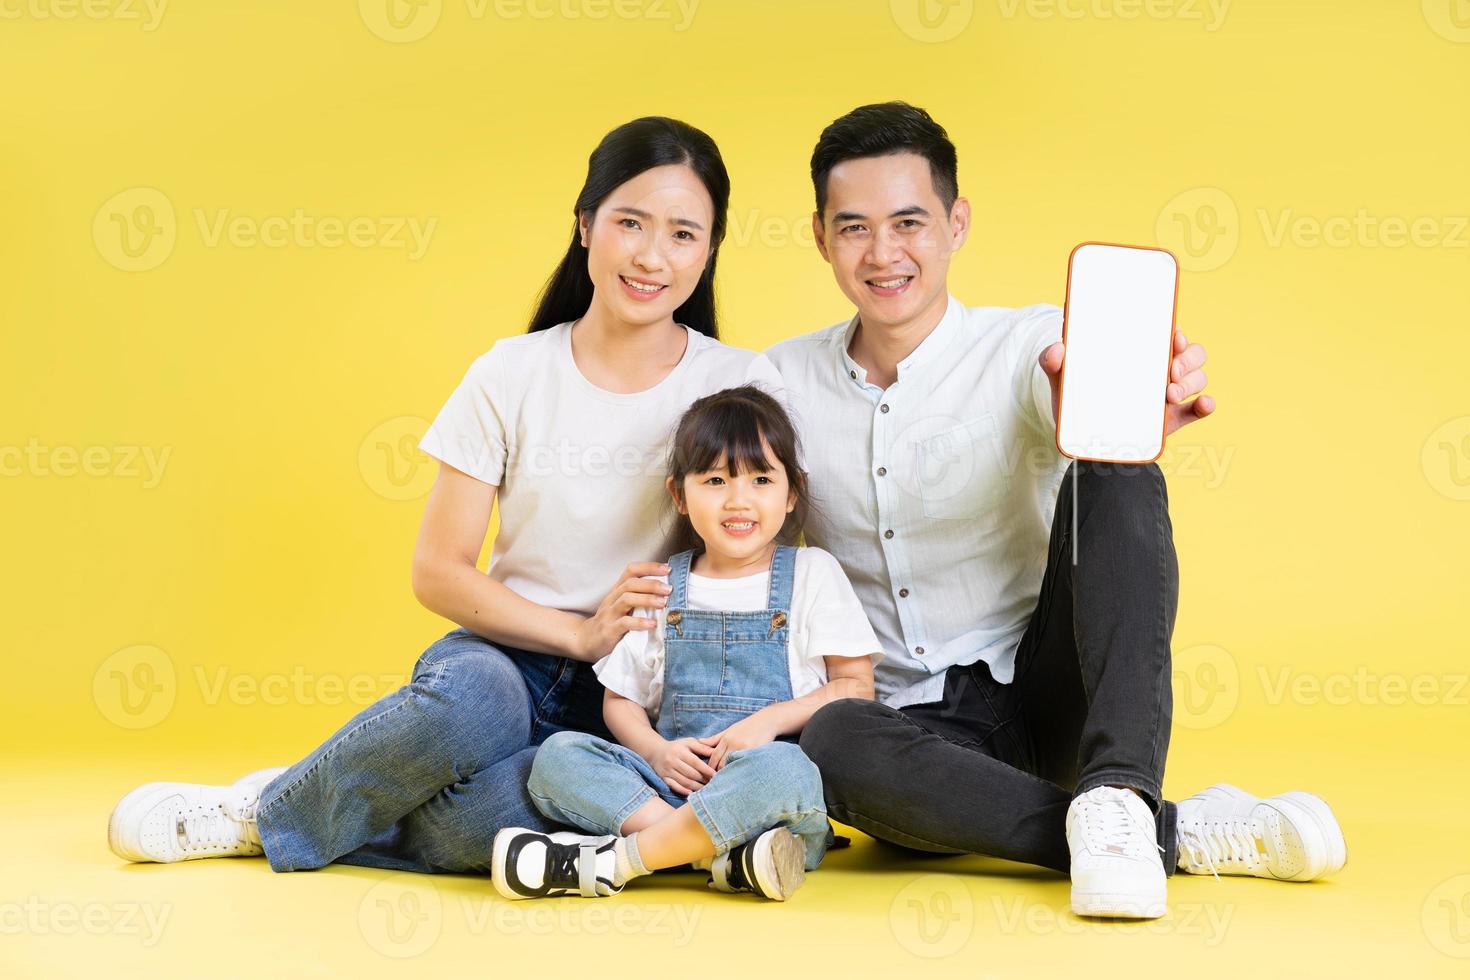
(773, 865)
(169, 822)
(1116, 868)
(1224, 830)
(529, 864)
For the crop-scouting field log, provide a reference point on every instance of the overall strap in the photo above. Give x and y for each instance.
(679, 580)
(783, 577)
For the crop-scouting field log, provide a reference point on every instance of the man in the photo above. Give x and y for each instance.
(1025, 700)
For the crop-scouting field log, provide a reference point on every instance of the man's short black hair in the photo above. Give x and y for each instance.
(882, 129)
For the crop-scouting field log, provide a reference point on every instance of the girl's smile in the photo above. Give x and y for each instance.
(740, 529)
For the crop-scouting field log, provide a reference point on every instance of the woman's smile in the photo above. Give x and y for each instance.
(641, 289)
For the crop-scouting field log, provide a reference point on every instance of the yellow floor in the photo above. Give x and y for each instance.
(1401, 908)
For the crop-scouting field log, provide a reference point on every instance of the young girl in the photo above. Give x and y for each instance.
(756, 636)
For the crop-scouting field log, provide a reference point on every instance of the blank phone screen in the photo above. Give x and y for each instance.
(1119, 332)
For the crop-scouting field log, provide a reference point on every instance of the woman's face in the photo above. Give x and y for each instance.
(648, 244)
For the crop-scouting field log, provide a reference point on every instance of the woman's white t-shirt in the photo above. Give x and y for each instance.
(826, 621)
(581, 470)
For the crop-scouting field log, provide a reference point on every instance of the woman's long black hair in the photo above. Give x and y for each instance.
(624, 153)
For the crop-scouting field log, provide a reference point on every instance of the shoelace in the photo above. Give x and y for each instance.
(1213, 843)
(1113, 827)
(218, 827)
(561, 865)
(574, 866)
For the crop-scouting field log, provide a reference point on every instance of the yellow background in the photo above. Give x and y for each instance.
(257, 592)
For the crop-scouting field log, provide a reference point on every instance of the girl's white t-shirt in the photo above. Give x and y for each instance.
(826, 621)
(580, 470)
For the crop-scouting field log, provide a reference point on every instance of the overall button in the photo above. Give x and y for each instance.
(778, 620)
(675, 617)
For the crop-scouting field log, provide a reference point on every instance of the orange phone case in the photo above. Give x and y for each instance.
(1062, 381)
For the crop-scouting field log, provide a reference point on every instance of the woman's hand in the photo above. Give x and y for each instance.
(747, 733)
(601, 631)
(681, 764)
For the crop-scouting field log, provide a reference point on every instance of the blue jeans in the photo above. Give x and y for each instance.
(595, 784)
(422, 779)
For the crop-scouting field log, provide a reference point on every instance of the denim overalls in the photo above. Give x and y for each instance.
(719, 667)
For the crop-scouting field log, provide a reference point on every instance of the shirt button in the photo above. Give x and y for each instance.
(903, 593)
(852, 375)
(888, 534)
(919, 651)
(882, 471)
(883, 409)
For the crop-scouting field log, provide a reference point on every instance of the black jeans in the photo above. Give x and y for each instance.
(991, 768)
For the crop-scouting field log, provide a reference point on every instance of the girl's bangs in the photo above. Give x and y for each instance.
(732, 434)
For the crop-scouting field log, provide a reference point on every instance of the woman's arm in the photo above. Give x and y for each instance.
(446, 581)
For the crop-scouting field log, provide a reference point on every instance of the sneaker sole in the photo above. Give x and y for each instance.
(1103, 905)
(780, 864)
(1309, 812)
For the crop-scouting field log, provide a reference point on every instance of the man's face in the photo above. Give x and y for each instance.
(888, 237)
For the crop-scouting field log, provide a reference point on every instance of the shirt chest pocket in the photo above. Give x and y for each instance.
(961, 471)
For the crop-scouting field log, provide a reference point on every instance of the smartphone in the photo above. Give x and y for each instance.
(1119, 334)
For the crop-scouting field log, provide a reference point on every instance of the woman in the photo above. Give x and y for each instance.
(568, 426)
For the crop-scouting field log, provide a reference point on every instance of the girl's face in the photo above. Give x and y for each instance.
(648, 244)
(737, 516)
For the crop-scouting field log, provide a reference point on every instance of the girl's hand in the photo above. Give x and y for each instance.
(681, 764)
(601, 631)
(747, 733)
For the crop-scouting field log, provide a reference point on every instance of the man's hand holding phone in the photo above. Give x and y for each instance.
(1186, 380)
